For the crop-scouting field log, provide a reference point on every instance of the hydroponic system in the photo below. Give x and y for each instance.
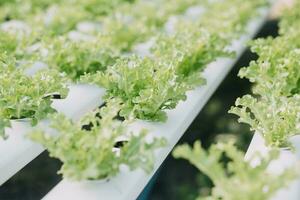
(109, 87)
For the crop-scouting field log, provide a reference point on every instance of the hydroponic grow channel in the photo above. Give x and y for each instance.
(17, 151)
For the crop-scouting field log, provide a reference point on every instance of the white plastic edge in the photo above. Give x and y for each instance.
(127, 185)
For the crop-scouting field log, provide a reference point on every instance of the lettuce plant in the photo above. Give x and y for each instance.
(190, 49)
(87, 147)
(234, 20)
(277, 119)
(146, 87)
(277, 70)
(76, 58)
(8, 43)
(290, 19)
(25, 96)
(59, 19)
(18, 45)
(237, 179)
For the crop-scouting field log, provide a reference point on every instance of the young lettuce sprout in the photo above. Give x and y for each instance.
(236, 179)
(87, 147)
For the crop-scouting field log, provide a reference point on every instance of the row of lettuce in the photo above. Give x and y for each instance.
(146, 54)
(272, 110)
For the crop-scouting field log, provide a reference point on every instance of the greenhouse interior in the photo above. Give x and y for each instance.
(150, 99)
